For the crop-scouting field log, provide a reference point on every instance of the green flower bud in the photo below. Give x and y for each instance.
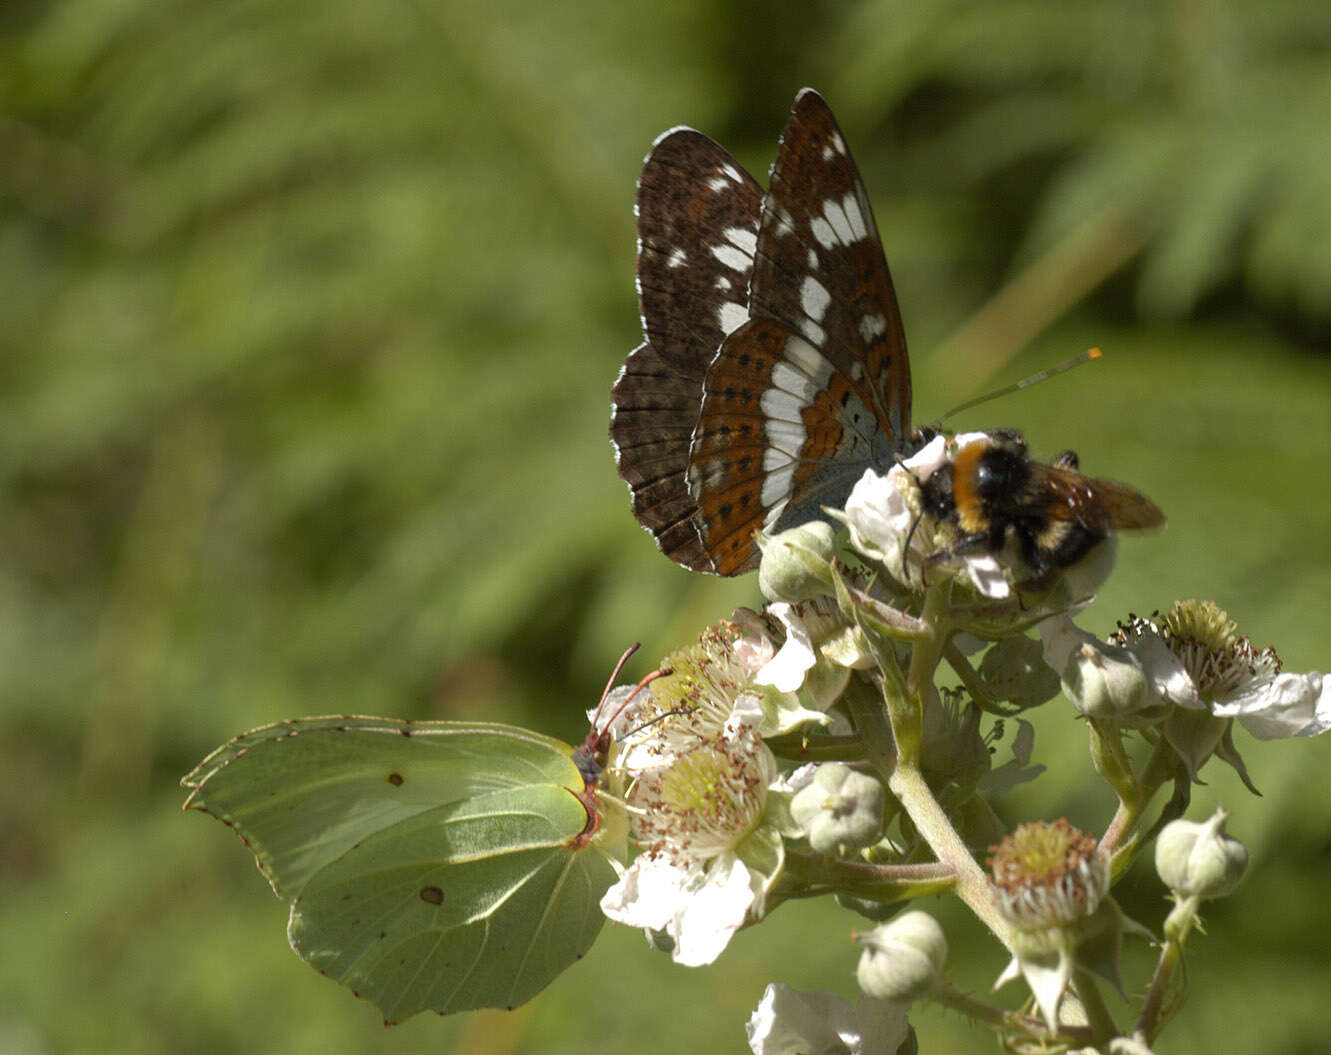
(796, 564)
(1107, 682)
(1015, 671)
(903, 959)
(1200, 860)
(840, 810)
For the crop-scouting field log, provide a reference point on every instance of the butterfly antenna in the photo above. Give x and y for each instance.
(1026, 382)
(659, 718)
(663, 672)
(614, 674)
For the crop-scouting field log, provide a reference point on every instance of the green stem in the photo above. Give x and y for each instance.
(1158, 769)
(972, 885)
(947, 995)
(1153, 1012)
(1111, 762)
(818, 747)
(901, 767)
(813, 874)
(970, 678)
(1097, 1013)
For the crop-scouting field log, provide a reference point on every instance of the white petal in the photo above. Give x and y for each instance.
(754, 648)
(987, 576)
(796, 780)
(1168, 677)
(1060, 637)
(877, 516)
(600, 716)
(715, 911)
(783, 713)
(786, 670)
(791, 1022)
(647, 895)
(746, 718)
(1286, 705)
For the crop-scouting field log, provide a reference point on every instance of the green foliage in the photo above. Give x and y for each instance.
(1193, 126)
(428, 865)
(308, 316)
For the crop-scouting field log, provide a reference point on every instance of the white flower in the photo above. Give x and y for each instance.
(818, 654)
(791, 1022)
(1197, 660)
(709, 858)
(883, 512)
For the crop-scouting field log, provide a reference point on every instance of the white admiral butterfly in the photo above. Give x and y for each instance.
(774, 368)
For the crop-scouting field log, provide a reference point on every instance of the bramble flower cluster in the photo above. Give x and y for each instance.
(808, 748)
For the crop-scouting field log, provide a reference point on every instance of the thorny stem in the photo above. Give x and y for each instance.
(949, 996)
(1149, 1022)
(908, 785)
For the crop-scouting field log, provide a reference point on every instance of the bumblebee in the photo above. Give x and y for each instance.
(993, 491)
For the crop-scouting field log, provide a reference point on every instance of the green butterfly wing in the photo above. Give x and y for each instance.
(429, 865)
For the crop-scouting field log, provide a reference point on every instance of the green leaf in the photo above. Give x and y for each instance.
(428, 865)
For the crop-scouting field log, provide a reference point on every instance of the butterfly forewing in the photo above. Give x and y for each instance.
(815, 387)
(820, 268)
(698, 213)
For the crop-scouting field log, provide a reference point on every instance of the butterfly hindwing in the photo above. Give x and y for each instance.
(698, 214)
(815, 387)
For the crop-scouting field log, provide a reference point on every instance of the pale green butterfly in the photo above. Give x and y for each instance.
(429, 865)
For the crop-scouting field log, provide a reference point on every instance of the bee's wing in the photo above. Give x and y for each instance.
(1101, 505)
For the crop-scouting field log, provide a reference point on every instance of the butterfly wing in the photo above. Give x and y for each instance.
(697, 229)
(815, 387)
(428, 865)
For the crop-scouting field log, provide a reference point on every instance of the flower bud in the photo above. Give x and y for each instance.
(1200, 860)
(1105, 681)
(902, 959)
(1014, 670)
(796, 563)
(840, 810)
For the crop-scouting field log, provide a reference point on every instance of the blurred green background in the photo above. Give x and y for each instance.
(309, 312)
